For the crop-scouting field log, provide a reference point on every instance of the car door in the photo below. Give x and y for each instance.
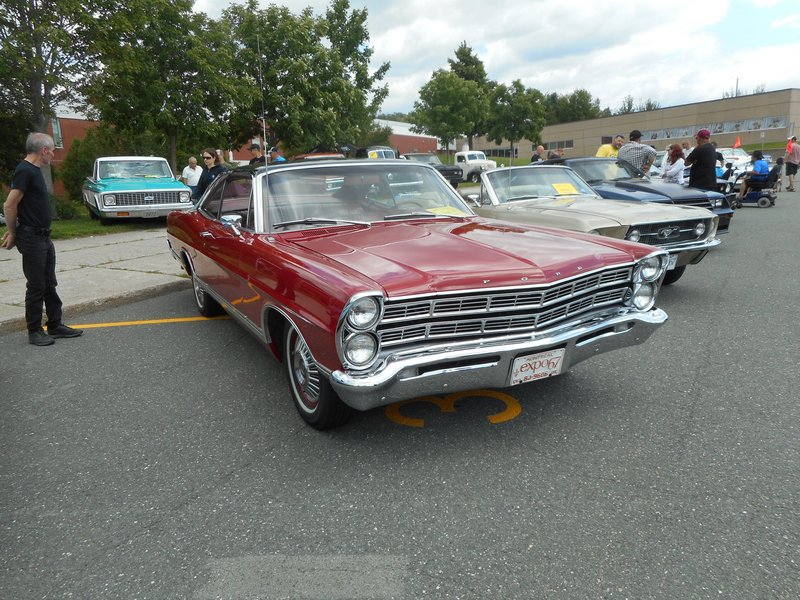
(217, 262)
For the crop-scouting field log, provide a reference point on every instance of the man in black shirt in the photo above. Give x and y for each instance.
(703, 160)
(27, 210)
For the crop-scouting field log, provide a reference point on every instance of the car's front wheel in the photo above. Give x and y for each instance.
(673, 275)
(206, 305)
(475, 177)
(313, 396)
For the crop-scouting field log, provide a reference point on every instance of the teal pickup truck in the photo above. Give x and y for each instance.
(123, 187)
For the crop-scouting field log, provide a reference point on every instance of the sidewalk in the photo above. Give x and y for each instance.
(95, 272)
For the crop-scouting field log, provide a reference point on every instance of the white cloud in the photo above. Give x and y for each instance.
(672, 53)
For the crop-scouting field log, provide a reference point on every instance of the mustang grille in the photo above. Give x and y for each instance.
(666, 234)
(147, 198)
(700, 201)
(496, 313)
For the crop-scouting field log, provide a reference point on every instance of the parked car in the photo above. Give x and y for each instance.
(374, 152)
(122, 187)
(618, 180)
(473, 163)
(373, 282)
(452, 174)
(555, 196)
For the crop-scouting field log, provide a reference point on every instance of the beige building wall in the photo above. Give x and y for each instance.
(756, 118)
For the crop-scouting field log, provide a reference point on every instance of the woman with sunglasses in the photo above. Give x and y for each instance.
(212, 168)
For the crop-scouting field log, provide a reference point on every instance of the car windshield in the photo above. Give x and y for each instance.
(528, 183)
(430, 159)
(362, 193)
(595, 171)
(122, 169)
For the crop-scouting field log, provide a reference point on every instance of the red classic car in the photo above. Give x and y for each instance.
(373, 282)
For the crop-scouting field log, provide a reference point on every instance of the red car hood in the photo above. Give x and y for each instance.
(415, 257)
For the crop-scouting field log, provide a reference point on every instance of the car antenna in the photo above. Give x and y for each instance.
(263, 117)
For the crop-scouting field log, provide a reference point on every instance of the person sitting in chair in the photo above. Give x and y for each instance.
(757, 176)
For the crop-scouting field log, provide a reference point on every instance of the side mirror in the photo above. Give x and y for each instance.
(475, 199)
(234, 222)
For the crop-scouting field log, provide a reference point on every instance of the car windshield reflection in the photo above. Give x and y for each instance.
(334, 195)
(531, 183)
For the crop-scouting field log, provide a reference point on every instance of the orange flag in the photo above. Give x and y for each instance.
(737, 143)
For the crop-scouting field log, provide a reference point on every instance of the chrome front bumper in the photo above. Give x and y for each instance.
(488, 363)
(691, 253)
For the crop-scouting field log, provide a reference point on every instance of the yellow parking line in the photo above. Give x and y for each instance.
(148, 322)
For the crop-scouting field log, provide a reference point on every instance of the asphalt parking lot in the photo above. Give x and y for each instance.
(159, 456)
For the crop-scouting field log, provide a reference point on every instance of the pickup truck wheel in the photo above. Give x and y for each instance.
(206, 305)
(674, 275)
(92, 215)
(475, 177)
(313, 396)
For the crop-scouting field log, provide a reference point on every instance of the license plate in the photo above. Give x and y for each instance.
(537, 366)
(673, 259)
(148, 214)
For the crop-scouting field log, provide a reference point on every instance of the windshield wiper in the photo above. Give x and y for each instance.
(316, 221)
(526, 197)
(415, 215)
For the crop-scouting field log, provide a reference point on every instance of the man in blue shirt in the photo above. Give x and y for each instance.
(758, 173)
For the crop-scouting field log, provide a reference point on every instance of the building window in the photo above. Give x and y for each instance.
(57, 138)
(565, 144)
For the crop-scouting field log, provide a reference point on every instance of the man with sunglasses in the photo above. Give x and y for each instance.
(212, 168)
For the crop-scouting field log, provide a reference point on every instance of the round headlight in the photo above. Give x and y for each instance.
(360, 349)
(650, 268)
(634, 235)
(699, 229)
(110, 200)
(364, 312)
(644, 296)
(186, 196)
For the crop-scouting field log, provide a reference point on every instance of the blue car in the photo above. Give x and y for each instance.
(617, 180)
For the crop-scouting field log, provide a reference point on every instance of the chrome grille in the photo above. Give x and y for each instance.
(665, 234)
(147, 198)
(700, 201)
(472, 315)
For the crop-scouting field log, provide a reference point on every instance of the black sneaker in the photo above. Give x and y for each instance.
(40, 338)
(62, 331)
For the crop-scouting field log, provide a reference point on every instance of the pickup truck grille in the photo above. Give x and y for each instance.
(147, 198)
(476, 314)
(675, 232)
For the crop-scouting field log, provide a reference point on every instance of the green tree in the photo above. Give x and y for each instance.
(469, 67)
(317, 89)
(448, 106)
(43, 53)
(575, 106)
(517, 113)
(627, 106)
(165, 69)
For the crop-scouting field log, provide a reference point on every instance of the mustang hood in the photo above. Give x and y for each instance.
(643, 189)
(618, 212)
(422, 257)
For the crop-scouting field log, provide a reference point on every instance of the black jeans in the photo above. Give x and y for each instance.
(39, 267)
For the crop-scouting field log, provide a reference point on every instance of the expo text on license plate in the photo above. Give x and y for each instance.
(537, 366)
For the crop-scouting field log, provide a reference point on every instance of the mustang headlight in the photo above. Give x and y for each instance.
(644, 295)
(364, 313)
(634, 235)
(185, 196)
(360, 349)
(109, 200)
(699, 229)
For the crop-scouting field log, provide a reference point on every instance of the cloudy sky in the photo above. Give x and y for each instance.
(670, 52)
